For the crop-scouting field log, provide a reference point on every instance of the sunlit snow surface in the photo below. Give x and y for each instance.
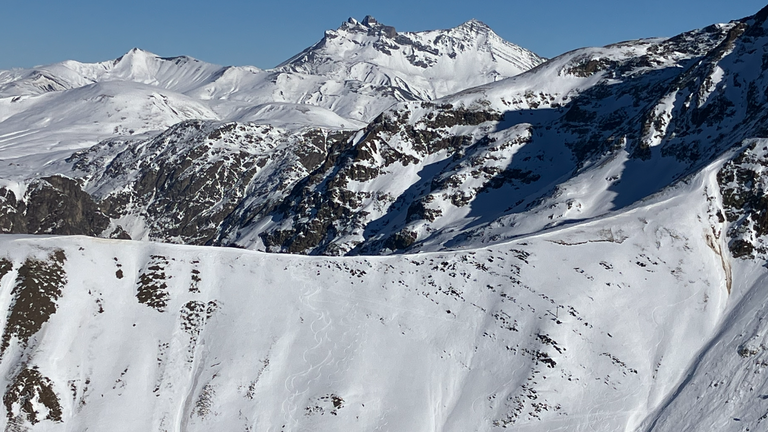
(584, 328)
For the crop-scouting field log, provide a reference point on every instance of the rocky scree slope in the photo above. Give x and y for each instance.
(190, 182)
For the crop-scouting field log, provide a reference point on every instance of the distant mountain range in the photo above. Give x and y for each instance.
(496, 240)
(344, 81)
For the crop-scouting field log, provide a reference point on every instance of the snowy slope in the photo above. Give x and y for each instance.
(58, 123)
(585, 328)
(724, 389)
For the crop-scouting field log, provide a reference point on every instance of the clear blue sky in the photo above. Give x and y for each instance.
(264, 33)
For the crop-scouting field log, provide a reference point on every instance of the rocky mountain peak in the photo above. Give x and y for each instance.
(474, 25)
(369, 21)
(369, 25)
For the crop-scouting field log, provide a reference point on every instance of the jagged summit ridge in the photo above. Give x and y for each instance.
(368, 25)
(418, 65)
(369, 22)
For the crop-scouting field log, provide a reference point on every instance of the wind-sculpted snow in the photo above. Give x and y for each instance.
(36, 130)
(178, 74)
(585, 328)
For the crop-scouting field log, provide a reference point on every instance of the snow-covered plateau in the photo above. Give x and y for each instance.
(390, 231)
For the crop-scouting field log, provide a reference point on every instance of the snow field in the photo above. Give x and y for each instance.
(583, 328)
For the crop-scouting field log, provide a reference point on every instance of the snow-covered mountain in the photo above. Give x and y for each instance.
(72, 105)
(415, 66)
(586, 134)
(579, 246)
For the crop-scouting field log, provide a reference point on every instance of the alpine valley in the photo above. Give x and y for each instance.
(390, 231)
